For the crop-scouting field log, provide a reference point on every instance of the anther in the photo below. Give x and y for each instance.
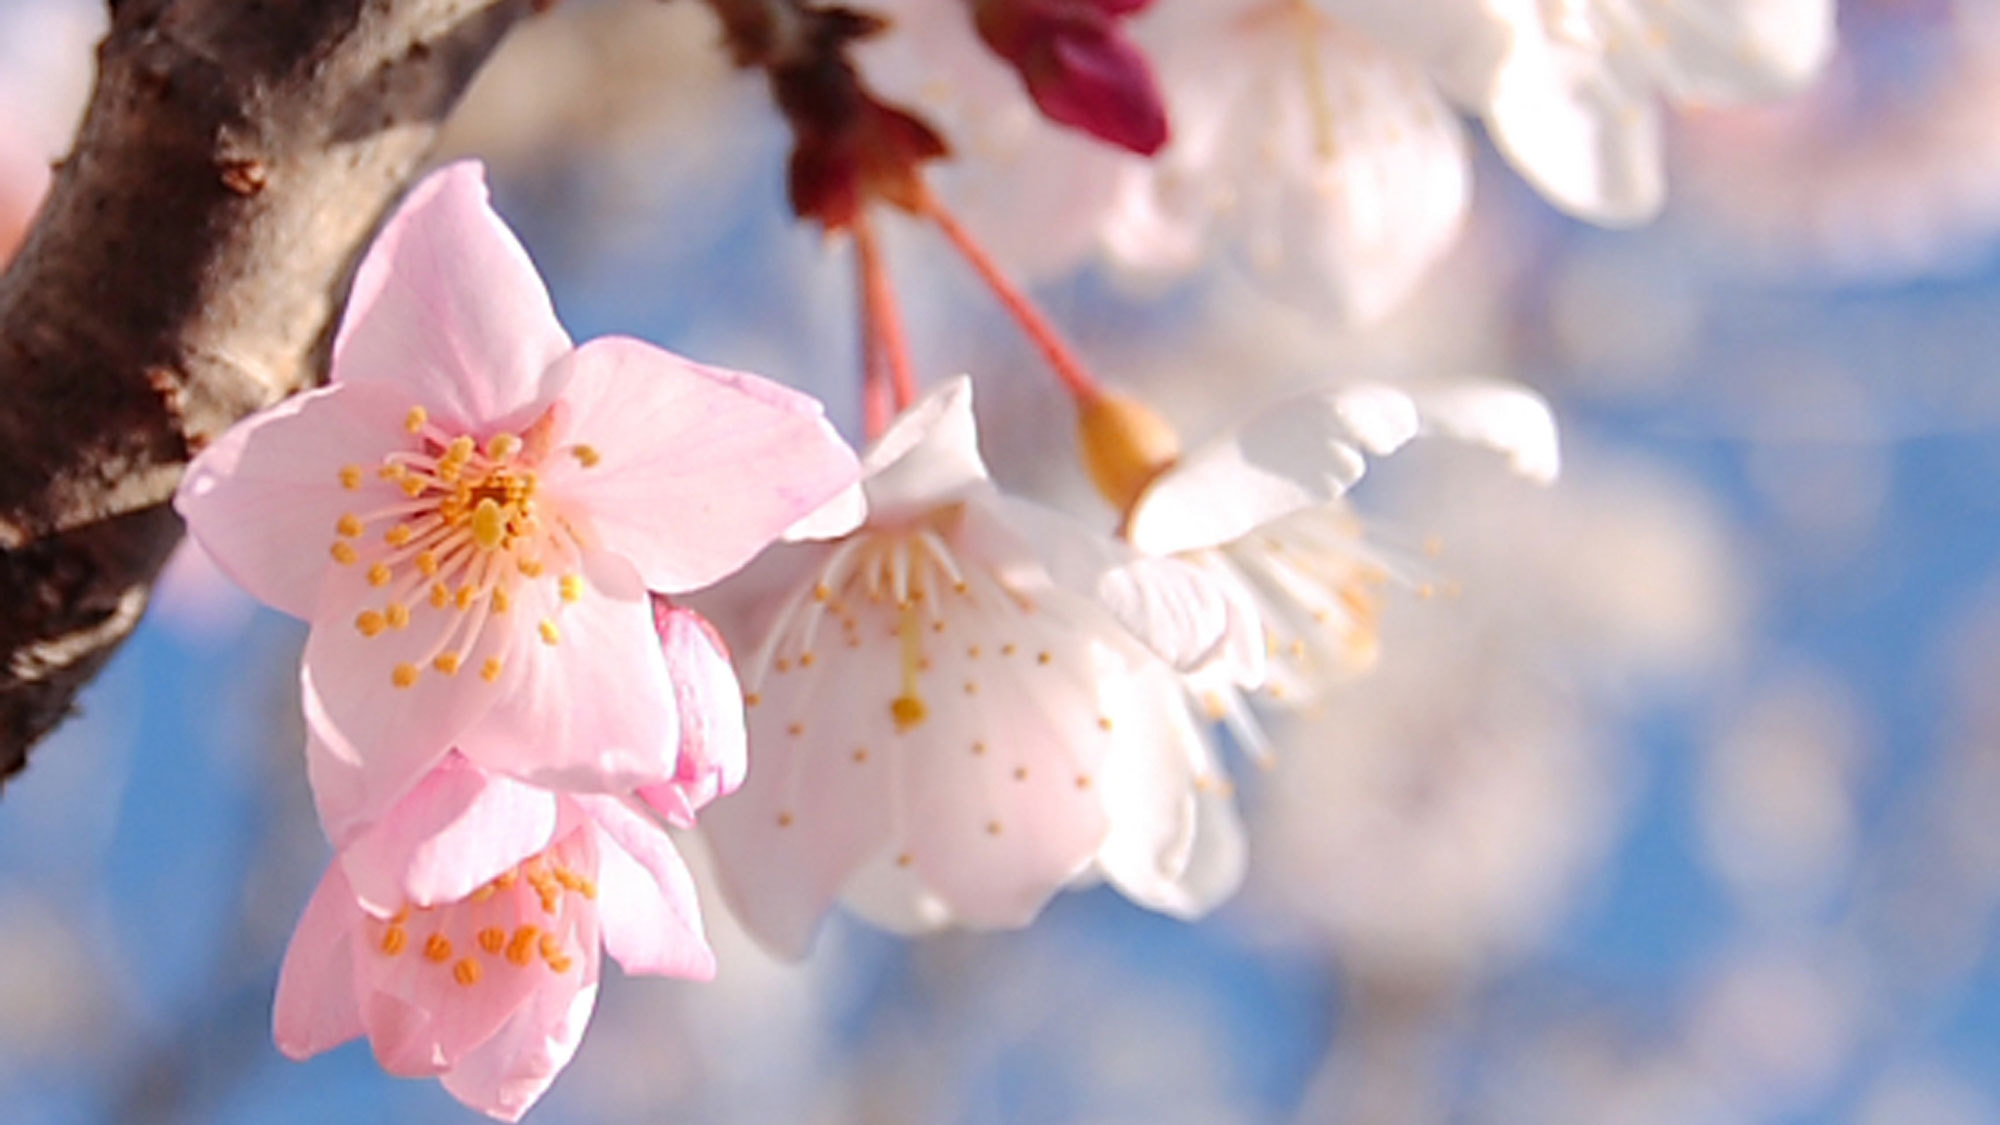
(571, 586)
(397, 615)
(521, 950)
(398, 535)
(349, 525)
(465, 597)
(501, 446)
(437, 947)
(908, 711)
(585, 455)
(489, 524)
(446, 662)
(393, 940)
(466, 972)
(427, 563)
(548, 631)
(370, 623)
(412, 487)
(350, 477)
(490, 671)
(784, 820)
(440, 597)
(404, 675)
(344, 553)
(460, 449)
(493, 939)
(500, 601)
(378, 575)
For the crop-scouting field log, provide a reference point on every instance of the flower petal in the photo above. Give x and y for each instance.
(1289, 456)
(691, 470)
(391, 735)
(315, 1008)
(647, 907)
(1579, 132)
(506, 1075)
(1504, 417)
(457, 829)
(448, 310)
(593, 711)
(714, 751)
(263, 500)
(806, 816)
(927, 456)
(1152, 794)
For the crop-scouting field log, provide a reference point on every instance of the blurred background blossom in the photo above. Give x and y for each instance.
(1672, 802)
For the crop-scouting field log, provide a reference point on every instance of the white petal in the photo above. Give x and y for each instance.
(1289, 456)
(929, 454)
(1505, 417)
(1580, 132)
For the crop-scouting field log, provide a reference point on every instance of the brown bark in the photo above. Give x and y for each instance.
(187, 268)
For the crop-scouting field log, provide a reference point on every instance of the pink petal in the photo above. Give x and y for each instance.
(806, 817)
(646, 901)
(697, 468)
(593, 712)
(995, 834)
(393, 735)
(714, 752)
(448, 310)
(352, 790)
(264, 498)
(506, 1075)
(421, 1017)
(315, 1008)
(457, 829)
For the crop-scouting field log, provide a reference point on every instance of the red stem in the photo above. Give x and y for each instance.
(1075, 377)
(884, 350)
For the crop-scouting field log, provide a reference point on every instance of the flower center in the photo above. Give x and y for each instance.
(469, 530)
(526, 916)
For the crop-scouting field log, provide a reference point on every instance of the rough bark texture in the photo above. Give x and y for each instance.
(187, 269)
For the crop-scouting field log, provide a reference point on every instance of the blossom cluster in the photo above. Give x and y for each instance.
(483, 525)
(954, 702)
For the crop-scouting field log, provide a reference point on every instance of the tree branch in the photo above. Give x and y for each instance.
(186, 269)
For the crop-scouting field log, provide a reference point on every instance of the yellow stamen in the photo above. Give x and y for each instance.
(427, 563)
(489, 524)
(350, 477)
(397, 615)
(549, 634)
(466, 972)
(370, 623)
(446, 662)
(404, 675)
(344, 554)
(415, 419)
(437, 947)
(440, 597)
(521, 950)
(398, 535)
(493, 939)
(501, 446)
(378, 575)
(393, 940)
(585, 456)
(501, 601)
(490, 671)
(572, 587)
(349, 525)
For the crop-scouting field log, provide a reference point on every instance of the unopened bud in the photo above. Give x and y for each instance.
(1125, 445)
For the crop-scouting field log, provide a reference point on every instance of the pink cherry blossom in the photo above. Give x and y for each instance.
(462, 933)
(944, 732)
(471, 514)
